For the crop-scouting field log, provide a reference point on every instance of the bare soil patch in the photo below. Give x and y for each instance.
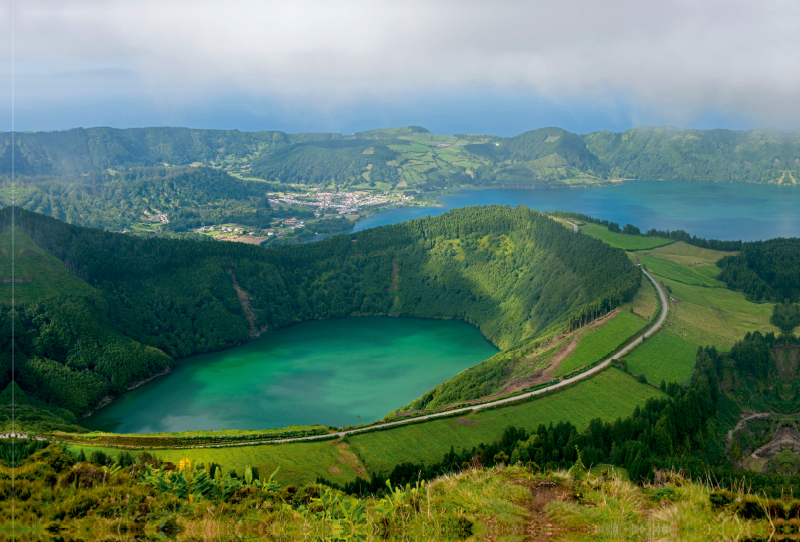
(540, 526)
(336, 471)
(245, 239)
(468, 422)
(548, 374)
(244, 301)
(349, 458)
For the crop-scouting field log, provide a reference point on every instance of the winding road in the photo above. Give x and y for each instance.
(596, 369)
(465, 410)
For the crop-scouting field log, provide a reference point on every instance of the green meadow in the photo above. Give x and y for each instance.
(598, 342)
(608, 395)
(663, 357)
(698, 276)
(622, 240)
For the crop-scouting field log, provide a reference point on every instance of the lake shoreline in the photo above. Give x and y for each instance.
(328, 364)
(108, 399)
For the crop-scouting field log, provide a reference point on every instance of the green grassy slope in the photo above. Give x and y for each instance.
(598, 342)
(703, 310)
(698, 276)
(608, 395)
(663, 357)
(414, 157)
(621, 240)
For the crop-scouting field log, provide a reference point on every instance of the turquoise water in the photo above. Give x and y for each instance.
(728, 211)
(326, 371)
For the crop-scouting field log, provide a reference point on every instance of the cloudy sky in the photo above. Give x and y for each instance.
(452, 66)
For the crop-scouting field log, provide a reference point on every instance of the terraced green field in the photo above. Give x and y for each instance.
(600, 341)
(714, 316)
(623, 241)
(663, 356)
(699, 276)
(608, 395)
(685, 254)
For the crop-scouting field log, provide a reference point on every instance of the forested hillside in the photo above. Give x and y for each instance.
(81, 151)
(765, 270)
(412, 157)
(755, 156)
(127, 305)
(191, 197)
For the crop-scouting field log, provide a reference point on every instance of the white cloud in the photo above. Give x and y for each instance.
(679, 57)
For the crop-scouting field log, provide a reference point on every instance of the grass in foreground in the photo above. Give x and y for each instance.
(663, 356)
(622, 240)
(65, 500)
(608, 395)
(596, 343)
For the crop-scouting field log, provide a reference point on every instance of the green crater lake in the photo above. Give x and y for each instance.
(326, 371)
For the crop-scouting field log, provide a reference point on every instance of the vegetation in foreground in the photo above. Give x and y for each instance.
(59, 497)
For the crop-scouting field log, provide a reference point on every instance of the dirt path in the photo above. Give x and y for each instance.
(548, 374)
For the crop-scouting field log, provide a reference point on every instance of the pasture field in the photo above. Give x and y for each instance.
(686, 254)
(714, 316)
(621, 240)
(663, 356)
(607, 395)
(597, 342)
(645, 302)
(703, 311)
(683, 273)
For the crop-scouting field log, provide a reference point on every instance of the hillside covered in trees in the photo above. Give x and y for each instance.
(412, 157)
(765, 270)
(98, 311)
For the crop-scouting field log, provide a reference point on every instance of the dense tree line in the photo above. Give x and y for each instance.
(765, 270)
(514, 273)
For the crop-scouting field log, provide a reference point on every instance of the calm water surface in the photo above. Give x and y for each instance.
(728, 211)
(334, 371)
(326, 371)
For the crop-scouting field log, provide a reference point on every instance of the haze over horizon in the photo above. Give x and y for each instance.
(451, 67)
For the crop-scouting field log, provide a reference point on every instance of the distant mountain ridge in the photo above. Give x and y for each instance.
(414, 157)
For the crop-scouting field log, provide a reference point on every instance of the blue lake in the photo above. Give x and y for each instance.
(727, 211)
